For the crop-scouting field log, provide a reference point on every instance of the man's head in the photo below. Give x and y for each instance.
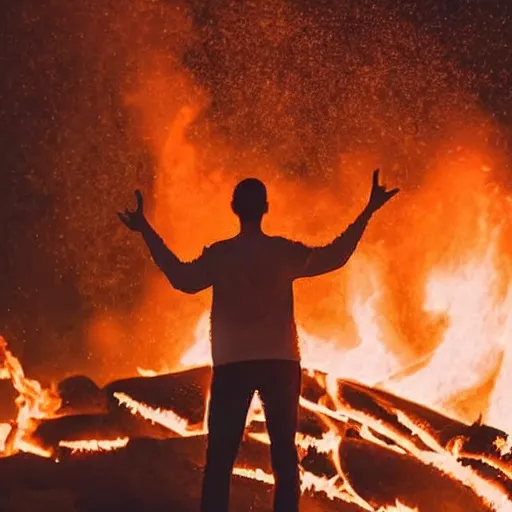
(250, 200)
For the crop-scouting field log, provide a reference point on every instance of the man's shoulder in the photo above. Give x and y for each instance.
(287, 242)
(220, 244)
(281, 241)
(289, 249)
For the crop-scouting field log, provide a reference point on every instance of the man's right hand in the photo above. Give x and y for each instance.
(135, 219)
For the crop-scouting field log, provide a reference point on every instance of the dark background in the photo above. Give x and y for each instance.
(69, 152)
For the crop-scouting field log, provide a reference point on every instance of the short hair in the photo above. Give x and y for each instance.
(250, 200)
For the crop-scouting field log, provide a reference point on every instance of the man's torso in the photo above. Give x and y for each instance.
(252, 312)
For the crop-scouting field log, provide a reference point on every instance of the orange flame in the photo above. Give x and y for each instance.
(34, 404)
(95, 445)
(399, 507)
(166, 418)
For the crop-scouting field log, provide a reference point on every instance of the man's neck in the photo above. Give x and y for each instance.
(250, 228)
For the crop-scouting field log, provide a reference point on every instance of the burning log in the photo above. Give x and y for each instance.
(374, 415)
(146, 475)
(93, 413)
(78, 427)
(443, 428)
(484, 439)
(185, 392)
(381, 476)
(107, 427)
(475, 445)
(88, 412)
(389, 404)
(81, 395)
(388, 430)
(314, 387)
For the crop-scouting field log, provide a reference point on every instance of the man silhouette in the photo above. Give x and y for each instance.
(253, 333)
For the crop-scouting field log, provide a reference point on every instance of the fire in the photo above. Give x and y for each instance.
(5, 430)
(309, 482)
(313, 483)
(399, 507)
(166, 418)
(464, 295)
(448, 463)
(504, 445)
(34, 404)
(143, 372)
(424, 308)
(444, 459)
(95, 445)
(477, 334)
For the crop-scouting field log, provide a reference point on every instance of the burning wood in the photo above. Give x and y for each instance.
(166, 418)
(344, 426)
(81, 395)
(105, 445)
(34, 404)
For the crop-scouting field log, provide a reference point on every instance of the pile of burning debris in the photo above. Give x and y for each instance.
(138, 444)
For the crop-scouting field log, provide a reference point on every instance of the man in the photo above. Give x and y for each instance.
(253, 332)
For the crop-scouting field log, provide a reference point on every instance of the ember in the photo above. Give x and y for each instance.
(351, 411)
(407, 359)
(95, 445)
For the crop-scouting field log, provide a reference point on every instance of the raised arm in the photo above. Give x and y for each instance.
(314, 261)
(188, 277)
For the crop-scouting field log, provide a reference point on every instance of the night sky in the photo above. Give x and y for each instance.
(71, 150)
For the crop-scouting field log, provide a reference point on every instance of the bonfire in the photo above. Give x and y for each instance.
(362, 447)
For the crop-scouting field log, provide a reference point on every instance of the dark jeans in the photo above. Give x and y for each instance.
(232, 388)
